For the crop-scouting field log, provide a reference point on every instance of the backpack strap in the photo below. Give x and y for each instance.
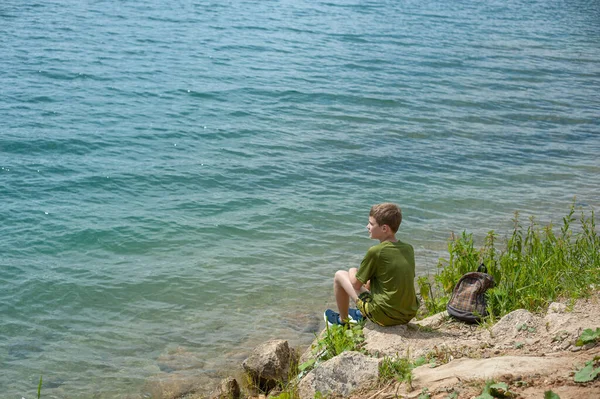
(482, 269)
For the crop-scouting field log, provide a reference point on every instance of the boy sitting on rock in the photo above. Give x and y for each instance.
(383, 286)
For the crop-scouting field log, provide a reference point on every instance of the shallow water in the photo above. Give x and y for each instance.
(190, 175)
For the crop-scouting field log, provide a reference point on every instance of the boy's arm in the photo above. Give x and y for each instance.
(356, 284)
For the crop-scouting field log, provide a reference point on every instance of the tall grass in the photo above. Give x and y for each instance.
(536, 265)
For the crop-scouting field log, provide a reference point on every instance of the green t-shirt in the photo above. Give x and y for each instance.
(391, 269)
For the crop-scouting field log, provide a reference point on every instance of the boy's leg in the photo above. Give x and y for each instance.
(343, 291)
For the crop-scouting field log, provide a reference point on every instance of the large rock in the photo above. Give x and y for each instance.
(341, 375)
(269, 364)
(434, 321)
(562, 319)
(511, 324)
(386, 341)
(449, 375)
(411, 339)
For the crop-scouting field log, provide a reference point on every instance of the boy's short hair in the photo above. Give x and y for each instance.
(387, 213)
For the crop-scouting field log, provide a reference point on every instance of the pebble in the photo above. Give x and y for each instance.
(575, 348)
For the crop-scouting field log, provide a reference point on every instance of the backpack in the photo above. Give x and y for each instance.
(468, 297)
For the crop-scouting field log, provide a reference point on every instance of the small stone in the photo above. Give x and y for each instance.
(589, 346)
(227, 389)
(575, 348)
(556, 307)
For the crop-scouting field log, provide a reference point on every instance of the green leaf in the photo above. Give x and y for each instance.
(421, 360)
(40, 387)
(588, 373)
(485, 395)
(500, 390)
(588, 335)
(550, 395)
(307, 364)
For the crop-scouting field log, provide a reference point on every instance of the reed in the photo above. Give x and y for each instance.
(535, 266)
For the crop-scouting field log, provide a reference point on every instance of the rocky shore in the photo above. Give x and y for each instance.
(531, 353)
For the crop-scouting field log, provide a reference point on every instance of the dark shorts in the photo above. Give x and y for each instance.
(364, 303)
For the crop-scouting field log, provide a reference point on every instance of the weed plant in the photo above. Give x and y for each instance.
(537, 265)
(493, 390)
(335, 340)
(399, 368)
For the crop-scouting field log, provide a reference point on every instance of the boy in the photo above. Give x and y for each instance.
(383, 287)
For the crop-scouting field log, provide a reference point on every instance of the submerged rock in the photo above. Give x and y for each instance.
(174, 385)
(179, 359)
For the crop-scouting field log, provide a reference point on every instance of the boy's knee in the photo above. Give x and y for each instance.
(340, 275)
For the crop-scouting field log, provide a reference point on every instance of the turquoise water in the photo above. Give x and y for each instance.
(187, 176)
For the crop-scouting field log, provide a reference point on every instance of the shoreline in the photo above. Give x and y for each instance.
(471, 349)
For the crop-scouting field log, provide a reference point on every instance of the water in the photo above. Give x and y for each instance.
(186, 177)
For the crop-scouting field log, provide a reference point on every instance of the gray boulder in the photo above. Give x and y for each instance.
(387, 341)
(512, 323)
(340, 375)
(269, 364)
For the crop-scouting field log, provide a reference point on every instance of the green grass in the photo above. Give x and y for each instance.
(533, 267)
(399, 368)
(335, 340)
